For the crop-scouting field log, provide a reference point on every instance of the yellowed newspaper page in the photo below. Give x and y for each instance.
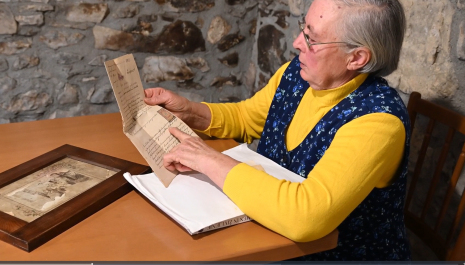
(146, 126)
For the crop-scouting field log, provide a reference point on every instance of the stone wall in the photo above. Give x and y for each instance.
(52, 52)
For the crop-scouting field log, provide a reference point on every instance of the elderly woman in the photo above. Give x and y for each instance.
(327, 116)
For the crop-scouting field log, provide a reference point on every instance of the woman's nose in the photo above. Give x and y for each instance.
(299, 42)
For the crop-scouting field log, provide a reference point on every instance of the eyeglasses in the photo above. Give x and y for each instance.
(307, 38)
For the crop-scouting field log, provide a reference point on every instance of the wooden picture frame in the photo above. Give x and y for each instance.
(49, 194)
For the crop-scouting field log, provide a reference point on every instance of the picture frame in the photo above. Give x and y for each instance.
(49, 194)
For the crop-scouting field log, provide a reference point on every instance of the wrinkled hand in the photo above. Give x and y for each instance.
(194, 114)
(174, 103)
(194, 154)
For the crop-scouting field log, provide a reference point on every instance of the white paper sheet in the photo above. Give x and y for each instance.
(195, 202)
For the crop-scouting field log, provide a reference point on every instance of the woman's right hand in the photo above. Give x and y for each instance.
(194, 114)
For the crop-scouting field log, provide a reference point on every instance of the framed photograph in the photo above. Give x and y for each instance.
(45, 196)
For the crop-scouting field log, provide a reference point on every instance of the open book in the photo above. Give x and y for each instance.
(193, 200)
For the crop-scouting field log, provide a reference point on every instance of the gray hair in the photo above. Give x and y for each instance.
(378, 25)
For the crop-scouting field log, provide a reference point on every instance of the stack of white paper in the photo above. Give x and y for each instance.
(195, 202)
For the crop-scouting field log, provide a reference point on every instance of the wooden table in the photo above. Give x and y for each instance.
(131, 228)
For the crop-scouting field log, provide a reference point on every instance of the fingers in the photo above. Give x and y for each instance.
(173, 161)
(154, 96)
(175, 166)
(182, 168)
(150, 92)
(181, 136)
(185, 156)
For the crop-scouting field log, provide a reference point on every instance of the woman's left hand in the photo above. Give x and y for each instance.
(194, 154)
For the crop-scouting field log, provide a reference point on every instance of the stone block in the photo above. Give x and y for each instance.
(32, 101)
(178, 38)
(165, 68)
(218, 29)
(229, 41)
(69, 95)
(14, 47)
(107, 38)
(127, 11)
(271, 48)
(198, 62)
(36, 8)
(60, 38)
(25, 61)
(7, 20)
(35, 20)
(87, 12)
(191, 6)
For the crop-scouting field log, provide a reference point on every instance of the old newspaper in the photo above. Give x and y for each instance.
(146, 126)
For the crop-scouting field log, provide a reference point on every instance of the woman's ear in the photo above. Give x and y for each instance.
(359, 58)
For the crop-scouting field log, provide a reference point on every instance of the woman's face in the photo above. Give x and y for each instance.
(324, 66)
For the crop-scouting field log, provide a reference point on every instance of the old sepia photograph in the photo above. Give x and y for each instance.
(46, 189)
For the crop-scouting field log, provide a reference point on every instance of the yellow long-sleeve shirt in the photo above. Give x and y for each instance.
(363, 155)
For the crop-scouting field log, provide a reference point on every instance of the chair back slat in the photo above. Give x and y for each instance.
(419, 163)
(437, 172)
(436, 112)
(458, 253)
(450, 191)
(452, 245)
(411, 108)
(457, 218)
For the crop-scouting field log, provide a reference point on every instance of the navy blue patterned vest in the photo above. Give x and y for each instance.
(375, 230)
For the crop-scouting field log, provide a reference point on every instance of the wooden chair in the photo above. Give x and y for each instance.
(443, 246)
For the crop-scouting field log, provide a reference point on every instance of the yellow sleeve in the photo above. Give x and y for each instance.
(244, 121)
(365, 153)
